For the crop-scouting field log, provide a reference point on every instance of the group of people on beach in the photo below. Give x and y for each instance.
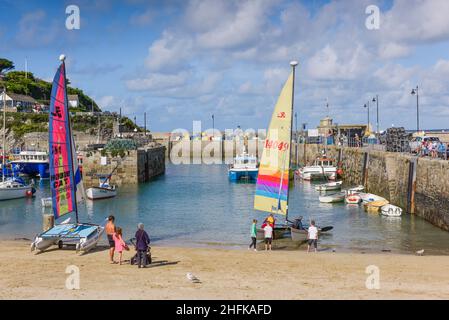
(117, 244)
(268, 230)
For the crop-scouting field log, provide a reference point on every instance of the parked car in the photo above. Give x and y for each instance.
(417, 142)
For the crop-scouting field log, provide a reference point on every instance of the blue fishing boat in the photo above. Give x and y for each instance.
(32, 163)
(244, 167)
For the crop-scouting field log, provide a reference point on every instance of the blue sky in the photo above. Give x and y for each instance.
(186, 60)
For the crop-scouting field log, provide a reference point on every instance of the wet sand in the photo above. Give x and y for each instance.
(223, 274)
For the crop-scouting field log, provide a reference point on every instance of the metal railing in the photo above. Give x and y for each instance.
(437, 151)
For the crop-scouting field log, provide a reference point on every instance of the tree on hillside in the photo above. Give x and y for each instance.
(5, 65)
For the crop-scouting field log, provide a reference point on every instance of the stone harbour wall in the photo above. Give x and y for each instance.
(418, 185)
(137, 166)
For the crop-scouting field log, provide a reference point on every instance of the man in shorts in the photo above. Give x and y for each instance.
(312, 236)
(268, 234)
(110, 229)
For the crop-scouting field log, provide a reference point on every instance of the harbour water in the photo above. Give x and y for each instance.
(196, 205)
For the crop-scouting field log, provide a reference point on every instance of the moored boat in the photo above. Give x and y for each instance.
(333, 198)
(391, 210)
(374, 206)
(103, 191)
(330, 186)
(14, 189)
(369, 197)
(323, 168)
(244, 167)
(353, 199)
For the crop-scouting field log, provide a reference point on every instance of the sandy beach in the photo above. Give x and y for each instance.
(224, 274)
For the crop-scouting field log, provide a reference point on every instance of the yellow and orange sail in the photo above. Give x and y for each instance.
(273, 178)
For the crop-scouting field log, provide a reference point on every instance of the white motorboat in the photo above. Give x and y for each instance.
(329, 186)
(322, 168)
(390, 210)
(244, 167)
(103, 191)
(333, 198)
(14, 189)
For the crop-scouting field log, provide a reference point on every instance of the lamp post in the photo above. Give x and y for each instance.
(376, 99)
(415, 92)
(367, 106)
(213, 125)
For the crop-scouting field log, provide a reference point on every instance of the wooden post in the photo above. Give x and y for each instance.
(48, 221)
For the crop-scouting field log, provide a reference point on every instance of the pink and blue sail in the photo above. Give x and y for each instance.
(62, 174)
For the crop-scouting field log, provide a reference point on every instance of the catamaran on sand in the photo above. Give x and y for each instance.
(65, 179)
(272, 188)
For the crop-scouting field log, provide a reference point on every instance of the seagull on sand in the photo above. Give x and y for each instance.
(192, 278)
(420, 252)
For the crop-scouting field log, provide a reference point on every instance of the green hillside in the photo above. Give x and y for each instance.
(22, 82)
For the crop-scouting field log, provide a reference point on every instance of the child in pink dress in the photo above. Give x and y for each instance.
(119, 243)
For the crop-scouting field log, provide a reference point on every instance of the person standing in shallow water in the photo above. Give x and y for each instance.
(142, 243)
(110, 230)
(253, 235)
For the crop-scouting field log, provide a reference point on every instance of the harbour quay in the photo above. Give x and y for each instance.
(416, 184)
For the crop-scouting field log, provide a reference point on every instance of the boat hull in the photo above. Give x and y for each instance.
(96, 193)
(238, 174)
(40, 169)
(390, 210)
(83, 236)
(16, 193)
(335, 198)
(279, 232)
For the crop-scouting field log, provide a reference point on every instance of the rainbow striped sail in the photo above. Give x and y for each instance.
(62, 177)
(272, 181)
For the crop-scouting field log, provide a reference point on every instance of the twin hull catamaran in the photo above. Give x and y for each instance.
(65, 177)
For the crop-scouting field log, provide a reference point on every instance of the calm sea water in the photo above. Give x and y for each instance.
(196, 205)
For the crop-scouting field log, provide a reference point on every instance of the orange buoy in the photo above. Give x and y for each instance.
(29, 193)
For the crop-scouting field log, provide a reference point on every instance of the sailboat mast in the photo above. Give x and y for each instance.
(72, 149)
(293, 64)
(4, 134)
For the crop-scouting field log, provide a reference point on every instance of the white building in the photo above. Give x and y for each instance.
(17, 102)
(74, 101)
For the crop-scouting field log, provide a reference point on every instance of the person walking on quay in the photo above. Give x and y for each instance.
(268, 235)
(253, 235)
(312, 236)
(110, 230)
(142, 243)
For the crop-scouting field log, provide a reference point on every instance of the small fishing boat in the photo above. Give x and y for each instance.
(333, 198)
(374, 206)
(353, 198)
(103, 191)
(329, 186)
(323, 168)
(244, 167)
(369, 197)
(357, 189)
(390, 210)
